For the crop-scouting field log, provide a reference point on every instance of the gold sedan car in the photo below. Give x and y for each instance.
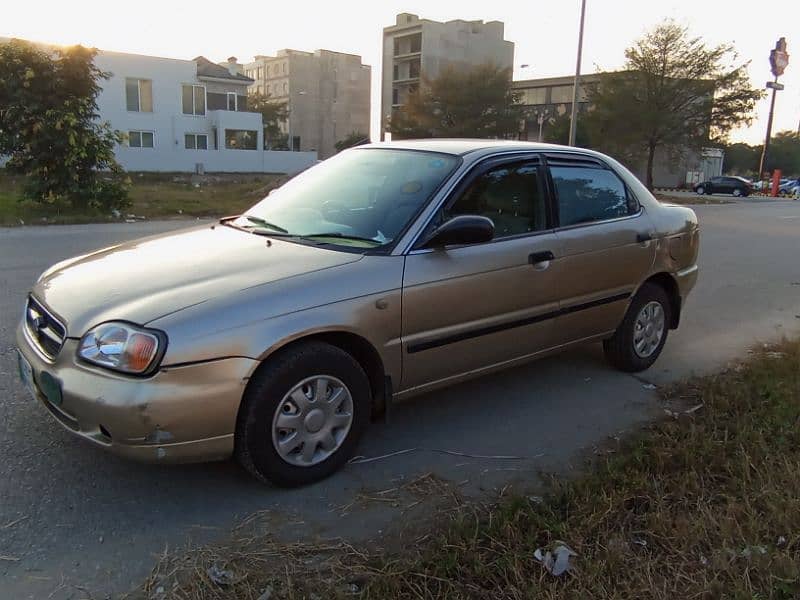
(389, 270)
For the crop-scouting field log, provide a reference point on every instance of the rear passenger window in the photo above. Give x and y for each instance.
(510, 195)
(588, 194)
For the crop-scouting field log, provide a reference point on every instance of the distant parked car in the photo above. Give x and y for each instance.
(766, 184)
(789, 188)
(738, 186)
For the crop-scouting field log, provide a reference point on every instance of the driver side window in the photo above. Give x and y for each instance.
(510, 195)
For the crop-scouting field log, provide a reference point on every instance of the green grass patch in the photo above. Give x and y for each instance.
(153, 196)
(702, 504)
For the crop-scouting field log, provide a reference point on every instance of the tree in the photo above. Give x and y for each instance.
(355, 138)
(556, 131)
(273, 113)
(479, 103)
(50, 129)
(741, 159)
(784, 153)
(675, 94)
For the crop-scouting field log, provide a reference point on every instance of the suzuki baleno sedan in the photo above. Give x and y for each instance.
(386, 271)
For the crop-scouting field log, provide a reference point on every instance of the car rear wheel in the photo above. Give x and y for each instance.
(641, 336)
(302, 415)
(701, 190)
(737, 192)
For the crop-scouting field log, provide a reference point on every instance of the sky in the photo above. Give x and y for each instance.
(545, 33)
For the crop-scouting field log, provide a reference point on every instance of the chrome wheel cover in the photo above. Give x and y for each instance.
(648, 329)
(312, 420)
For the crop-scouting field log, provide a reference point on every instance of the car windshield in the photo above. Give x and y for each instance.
(360, 198)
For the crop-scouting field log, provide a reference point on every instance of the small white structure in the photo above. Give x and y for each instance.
(186, 116)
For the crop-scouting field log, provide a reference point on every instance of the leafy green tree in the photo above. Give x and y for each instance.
(477, 103)
(50, 131)
(784, 153)
(556, 131)
(354, 138)
(273, 113)
(741, 159)
(675, 94)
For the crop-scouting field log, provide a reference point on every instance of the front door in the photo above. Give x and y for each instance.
(606, 240)
(467, 308)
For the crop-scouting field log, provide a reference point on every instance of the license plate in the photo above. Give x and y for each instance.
(26, 374)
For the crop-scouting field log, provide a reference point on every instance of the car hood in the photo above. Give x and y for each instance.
(145, 279)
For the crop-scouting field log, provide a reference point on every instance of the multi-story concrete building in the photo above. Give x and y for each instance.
(549, 98)
(327, 94)
(185, 116)
(414, 48)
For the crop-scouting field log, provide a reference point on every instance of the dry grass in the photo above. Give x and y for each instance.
(153, 196)
(689, 200)
(704, 504)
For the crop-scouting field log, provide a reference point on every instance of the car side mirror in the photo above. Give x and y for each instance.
(460, 230)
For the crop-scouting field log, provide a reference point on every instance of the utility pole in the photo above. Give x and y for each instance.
(574, 115)
(778, 60)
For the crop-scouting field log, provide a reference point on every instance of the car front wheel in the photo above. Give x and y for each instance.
(641, 336)
(302, 415)
(701, 190)
(737, 192)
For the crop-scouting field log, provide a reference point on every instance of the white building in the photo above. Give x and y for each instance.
(186, 115)
(414, 48)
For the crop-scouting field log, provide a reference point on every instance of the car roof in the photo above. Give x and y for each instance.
(462, 147)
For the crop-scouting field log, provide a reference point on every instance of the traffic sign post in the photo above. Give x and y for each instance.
(778, 61)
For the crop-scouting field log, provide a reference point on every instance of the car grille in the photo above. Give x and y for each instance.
(45, 330)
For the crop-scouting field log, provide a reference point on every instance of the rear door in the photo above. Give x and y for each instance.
(469, 307)
(719, 185)
(605, 239)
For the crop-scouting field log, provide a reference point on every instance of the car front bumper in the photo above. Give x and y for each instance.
(179, 414)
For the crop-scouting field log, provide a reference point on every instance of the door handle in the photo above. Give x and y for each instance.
(540, 257)
(643, 237)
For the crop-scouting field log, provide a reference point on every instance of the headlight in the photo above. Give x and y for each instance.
(123, 347)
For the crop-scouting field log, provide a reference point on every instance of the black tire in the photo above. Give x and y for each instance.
(738, 193)
(619, 349)
(254, 447)
(700, 190)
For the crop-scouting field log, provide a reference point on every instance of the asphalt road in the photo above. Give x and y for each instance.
(76, 521)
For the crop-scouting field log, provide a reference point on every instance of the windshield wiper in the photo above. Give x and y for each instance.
(263, 223)
(338, 234)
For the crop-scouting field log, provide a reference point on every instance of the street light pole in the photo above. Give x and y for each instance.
(762, 163)
(574, 115)
(778, 61)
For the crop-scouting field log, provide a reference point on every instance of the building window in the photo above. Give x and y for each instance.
(408, 44)
(241, 139)
(395, 96)
(195, 141)
(139, 95)
(232, 101)
(285, 88)
(268, 70)
(260, 73)
(140, 139)
(194, 99)
(285, 68)
(396, 72)
(561, 94)
(535, 96)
